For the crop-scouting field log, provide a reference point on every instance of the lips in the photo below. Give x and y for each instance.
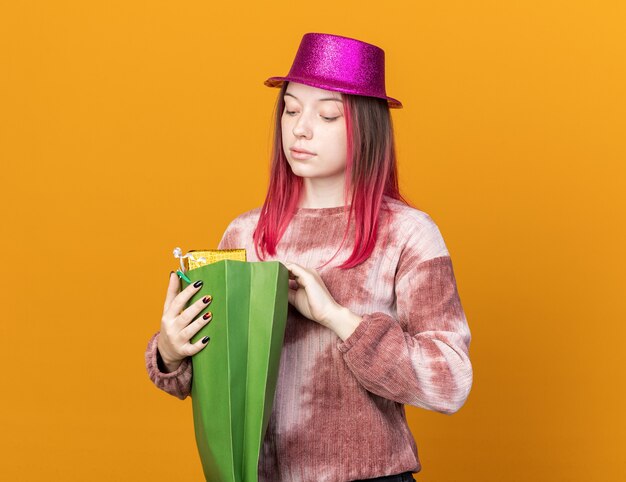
(303, 151)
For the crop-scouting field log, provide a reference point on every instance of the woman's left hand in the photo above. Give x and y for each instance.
(308, 293)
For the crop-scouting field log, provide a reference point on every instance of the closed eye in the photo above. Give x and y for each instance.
(328, 119)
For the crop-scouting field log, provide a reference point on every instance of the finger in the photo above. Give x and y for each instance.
(181, 299)
(291, 296)
(193, 348)
(189, 314)
(299, 272)
(172, 290)
(194, 327)
(291, 273)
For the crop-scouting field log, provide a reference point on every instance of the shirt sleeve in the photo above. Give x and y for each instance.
(178, 382)
(421, 357)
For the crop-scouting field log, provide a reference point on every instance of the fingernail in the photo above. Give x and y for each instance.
(198, 283)
(171, 273)
(205, 339)
(207, 299)
(207, 315)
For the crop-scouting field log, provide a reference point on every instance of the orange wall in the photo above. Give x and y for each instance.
(130, 128)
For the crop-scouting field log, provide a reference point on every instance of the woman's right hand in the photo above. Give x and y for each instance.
(177, 328)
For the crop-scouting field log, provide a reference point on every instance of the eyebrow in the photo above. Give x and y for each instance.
(319, 100)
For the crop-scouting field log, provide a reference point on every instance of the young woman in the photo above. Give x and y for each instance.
(380, 327)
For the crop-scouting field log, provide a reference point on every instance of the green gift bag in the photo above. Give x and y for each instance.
(234, 377)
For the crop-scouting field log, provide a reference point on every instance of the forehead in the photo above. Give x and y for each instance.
(303, 92)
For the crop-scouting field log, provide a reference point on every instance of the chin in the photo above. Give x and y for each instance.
(301, 170)
(297, 170)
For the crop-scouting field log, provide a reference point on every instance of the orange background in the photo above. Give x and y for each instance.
(130, 128)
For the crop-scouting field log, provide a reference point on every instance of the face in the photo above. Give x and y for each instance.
(313, 123)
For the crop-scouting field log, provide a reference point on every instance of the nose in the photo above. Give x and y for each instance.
(301, 128)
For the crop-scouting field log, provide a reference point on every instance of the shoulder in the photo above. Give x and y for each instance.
(407, 216)
(240, 229)
(417, 232)
(250, 217)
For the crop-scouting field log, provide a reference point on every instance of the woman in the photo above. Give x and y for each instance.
(381, 327)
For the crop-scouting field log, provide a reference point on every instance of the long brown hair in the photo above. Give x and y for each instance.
(371, 172)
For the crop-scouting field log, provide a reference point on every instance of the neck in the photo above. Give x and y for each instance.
(324, 193)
